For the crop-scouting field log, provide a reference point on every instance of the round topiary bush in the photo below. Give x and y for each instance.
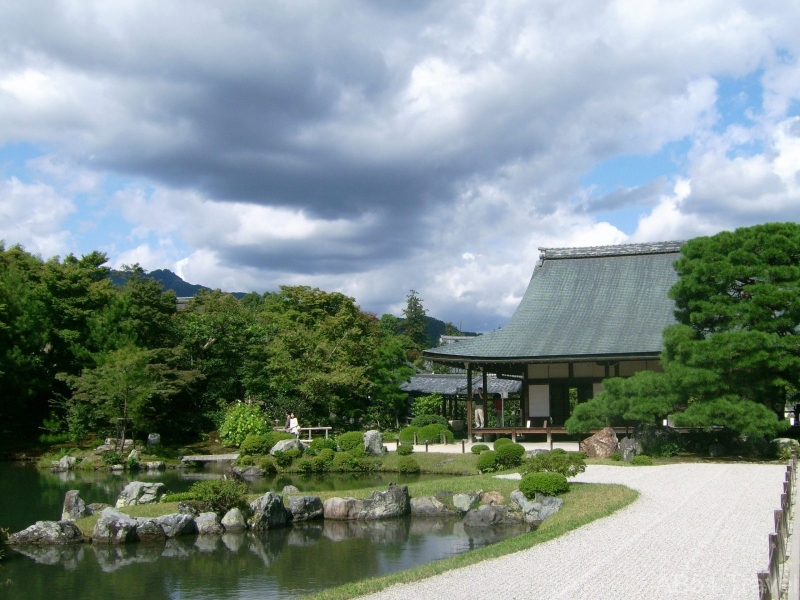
(487, 461)
(285, 459)
(405, 449)
(549, 484)
(321, 443)
(407, 434)
(245, 460)
(407, 464)
(478, 448)
(350, 440)
(267, 463)
(642, 460)
(423, 420)
(510, 455)
(323, 461)
(500, 442)
(432, 434)
(568, 464)
(241, 420)
(256, 444)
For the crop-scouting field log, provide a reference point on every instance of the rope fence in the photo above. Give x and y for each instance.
(769, 581)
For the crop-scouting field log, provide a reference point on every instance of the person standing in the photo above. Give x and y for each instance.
(288, 418)
(479, 403)
(294, 426)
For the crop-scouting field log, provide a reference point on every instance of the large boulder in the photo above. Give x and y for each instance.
(629, 447)
(390, 504)
(208, 523)
(66, 463)
(465, 502)
(489, 498)
(429, 506)
(289, 489)
(536, 511)
(140, 492)
(149, 530)
(177, 524)
(114, 527)
(601, 445)
(153, 439)
(248, 472)
(74, 507)
(373, 443)
(155, 465)
(490, 515)
(284, 445)
(342, 509)
(234, 520)
(305, 508)
(48, 533)
(268, 512)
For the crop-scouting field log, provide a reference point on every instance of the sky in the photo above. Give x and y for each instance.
(373, 148)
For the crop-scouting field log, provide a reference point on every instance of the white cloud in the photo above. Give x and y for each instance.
(33, 214)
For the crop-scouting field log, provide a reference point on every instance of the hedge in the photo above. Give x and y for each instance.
(549, 484)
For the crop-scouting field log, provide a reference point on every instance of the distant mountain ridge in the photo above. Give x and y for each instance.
(171, 281)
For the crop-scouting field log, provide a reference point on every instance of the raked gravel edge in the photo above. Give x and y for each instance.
(697, 531)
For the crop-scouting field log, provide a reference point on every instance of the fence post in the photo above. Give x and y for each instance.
(426, 445)
(462, 446)
(763, 586)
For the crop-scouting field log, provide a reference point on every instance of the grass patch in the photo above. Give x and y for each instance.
(435, 462)
(583, 504)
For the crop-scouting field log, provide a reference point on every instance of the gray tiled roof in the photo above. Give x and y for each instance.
(452, 384)
(585, 302)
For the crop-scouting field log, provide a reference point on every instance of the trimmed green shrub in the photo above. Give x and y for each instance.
(408, 464)
(220, 495)
(616, 456)
(241, 420)
(432, 434)
(560, 461)
(245, 460)
(256, 444)
(547, 483)
(487, 461)
(305, 465)
(350, 440)
(423, 420)
(478, 448)
(178, 497)
(500, 442)
(405, 449)
(642, 460)
(267, 463)
(323, 461)
(320, 443)
(285, 459)
(343, 461)
(407, 434)
(510, 455)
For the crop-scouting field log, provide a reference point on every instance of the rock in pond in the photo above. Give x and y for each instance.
(305, 508)
(463, 503)
(148, 530)
(114, 527)
(490, 515)
(234, 520)
(537, 510)
(155, 465)
(74, 507)
(342, 509)
(268, 512)
(392, 503)
(289, 489)
(209, 523)
(429, 506)
(48, 533)
(140, 492)
(177, 524)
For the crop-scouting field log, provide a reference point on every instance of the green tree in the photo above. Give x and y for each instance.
(128, 385)
(415, 327)
(388, 372)
(734, 358)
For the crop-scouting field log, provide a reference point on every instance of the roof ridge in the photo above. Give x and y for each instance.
(615, 250)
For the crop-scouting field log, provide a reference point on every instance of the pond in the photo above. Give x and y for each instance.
(279, 564)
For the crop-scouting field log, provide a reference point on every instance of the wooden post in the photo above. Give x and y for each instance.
(485, 381)
(462, 447)
(469, 402)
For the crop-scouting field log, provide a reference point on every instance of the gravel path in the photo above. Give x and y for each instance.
(697, 531)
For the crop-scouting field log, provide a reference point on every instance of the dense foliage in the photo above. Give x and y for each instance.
(548, 484)
(220, 495)
(557, 460)
(79, 355)
(733, 359)
(487, 461)
(510, 455)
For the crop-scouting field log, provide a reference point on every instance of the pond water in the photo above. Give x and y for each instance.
(280, 564)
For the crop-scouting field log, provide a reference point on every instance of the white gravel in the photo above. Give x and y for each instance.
(696, 531)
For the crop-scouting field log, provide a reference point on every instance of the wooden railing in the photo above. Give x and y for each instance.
(769, 581)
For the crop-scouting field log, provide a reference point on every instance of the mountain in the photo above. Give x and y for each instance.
(170, 281)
